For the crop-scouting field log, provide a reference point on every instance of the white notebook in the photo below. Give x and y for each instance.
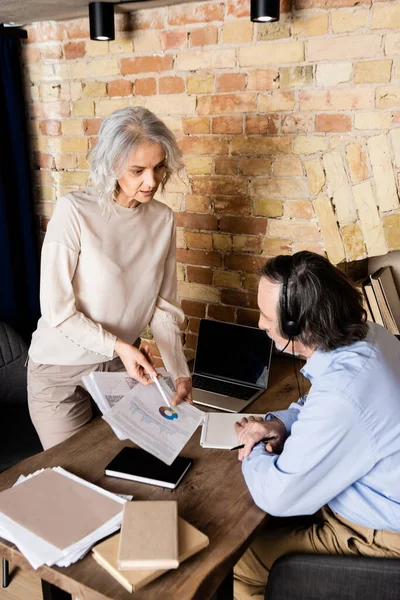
(219, 429)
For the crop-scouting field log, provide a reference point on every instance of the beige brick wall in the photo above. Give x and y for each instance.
(290, 131)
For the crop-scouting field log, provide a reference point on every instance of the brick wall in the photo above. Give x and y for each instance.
(290, 131)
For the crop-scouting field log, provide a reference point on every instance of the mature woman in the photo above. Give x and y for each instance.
(108, 270)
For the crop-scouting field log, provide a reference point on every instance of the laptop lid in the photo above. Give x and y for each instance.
(236, 353)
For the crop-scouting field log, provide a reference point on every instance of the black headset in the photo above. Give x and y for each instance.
(290, 327)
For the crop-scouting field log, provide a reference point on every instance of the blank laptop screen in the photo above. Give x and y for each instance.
(233, 352)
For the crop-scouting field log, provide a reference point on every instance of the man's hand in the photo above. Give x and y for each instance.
(138, 363)
(251, 431)
(183, 387)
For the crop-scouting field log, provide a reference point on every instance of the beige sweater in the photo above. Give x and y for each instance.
(107, 276)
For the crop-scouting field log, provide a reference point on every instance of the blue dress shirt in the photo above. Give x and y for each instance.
(343, 445)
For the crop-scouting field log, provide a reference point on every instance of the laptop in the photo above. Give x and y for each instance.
(231, 365)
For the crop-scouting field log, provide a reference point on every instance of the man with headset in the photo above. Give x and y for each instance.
(335, 453)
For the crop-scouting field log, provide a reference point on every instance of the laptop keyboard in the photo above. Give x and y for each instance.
(223, 387)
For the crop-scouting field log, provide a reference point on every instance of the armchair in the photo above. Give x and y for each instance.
(327, 577)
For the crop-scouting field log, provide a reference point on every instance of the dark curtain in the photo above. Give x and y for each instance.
(19, 265)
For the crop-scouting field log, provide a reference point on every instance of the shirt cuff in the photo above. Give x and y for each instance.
(284, 416)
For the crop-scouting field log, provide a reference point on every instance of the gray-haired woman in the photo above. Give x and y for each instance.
(108, 270)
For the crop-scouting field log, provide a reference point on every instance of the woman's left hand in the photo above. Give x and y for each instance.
(183, 386)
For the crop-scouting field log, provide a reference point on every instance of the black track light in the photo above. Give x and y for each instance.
(264, 11)
(101, 20)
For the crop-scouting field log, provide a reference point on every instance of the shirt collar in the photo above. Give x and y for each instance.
(317, 364)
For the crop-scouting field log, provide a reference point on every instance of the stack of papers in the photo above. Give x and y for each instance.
(139, 413)
(55, 517)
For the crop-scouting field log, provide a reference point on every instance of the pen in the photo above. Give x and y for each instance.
(155, 379)
(264, 440)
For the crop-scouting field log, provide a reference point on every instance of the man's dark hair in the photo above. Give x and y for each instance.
(320, 298)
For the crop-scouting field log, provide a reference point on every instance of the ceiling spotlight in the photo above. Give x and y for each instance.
(101, 21)
(264, 11)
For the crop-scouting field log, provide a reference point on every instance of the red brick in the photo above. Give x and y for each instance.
(200, 275)
(191, 341)
(50, 31)
(50, 127)
(237, 298)
(244, 262)
(232, 205)
(171, 85)
(231, 82)
(203, 145)
(263, 80)
(255, 166)
(74, 50)
(221, 313)
(92, 126)
(146, 86)
(247, 225)
(51, 53)
(196, 125)
(173, 39)
(120, 87)
(196, 221)
(199, 13)
(199, 204)
(204, 36)
(239, 8)
(50, 110)
(158, 362)
(77, 29)
(30, 55)
(262, 124)
(92, 141)
(43, 161)
(151, 345)
(149, 19)
(193, 309)
(246, 316)
(227, 103)
(226, 165)
(44, 221)
(194, 325)
(219, 186)
(146, 64)
(198, 257)
(330, 123)
(233, 124)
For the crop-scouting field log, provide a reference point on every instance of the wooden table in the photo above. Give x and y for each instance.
(212, 496)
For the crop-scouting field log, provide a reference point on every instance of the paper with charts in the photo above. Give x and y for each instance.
(144, 418)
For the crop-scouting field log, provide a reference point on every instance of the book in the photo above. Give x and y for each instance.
(218, 429)
(138, 465)
(54, 517)
(387, 298)
(149, 535)
(57, 508)
(190, 541)
(372, 302)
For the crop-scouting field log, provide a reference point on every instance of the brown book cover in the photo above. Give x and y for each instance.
(149, 535)
(372, 302)
(57, 508)
(190, 541)
(377, 285)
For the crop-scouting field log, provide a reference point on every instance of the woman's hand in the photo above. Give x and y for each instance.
(138, 363)
(183, 386)
(251, 431)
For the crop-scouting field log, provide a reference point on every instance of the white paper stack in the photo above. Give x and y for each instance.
(139, 413)
(55, 517)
